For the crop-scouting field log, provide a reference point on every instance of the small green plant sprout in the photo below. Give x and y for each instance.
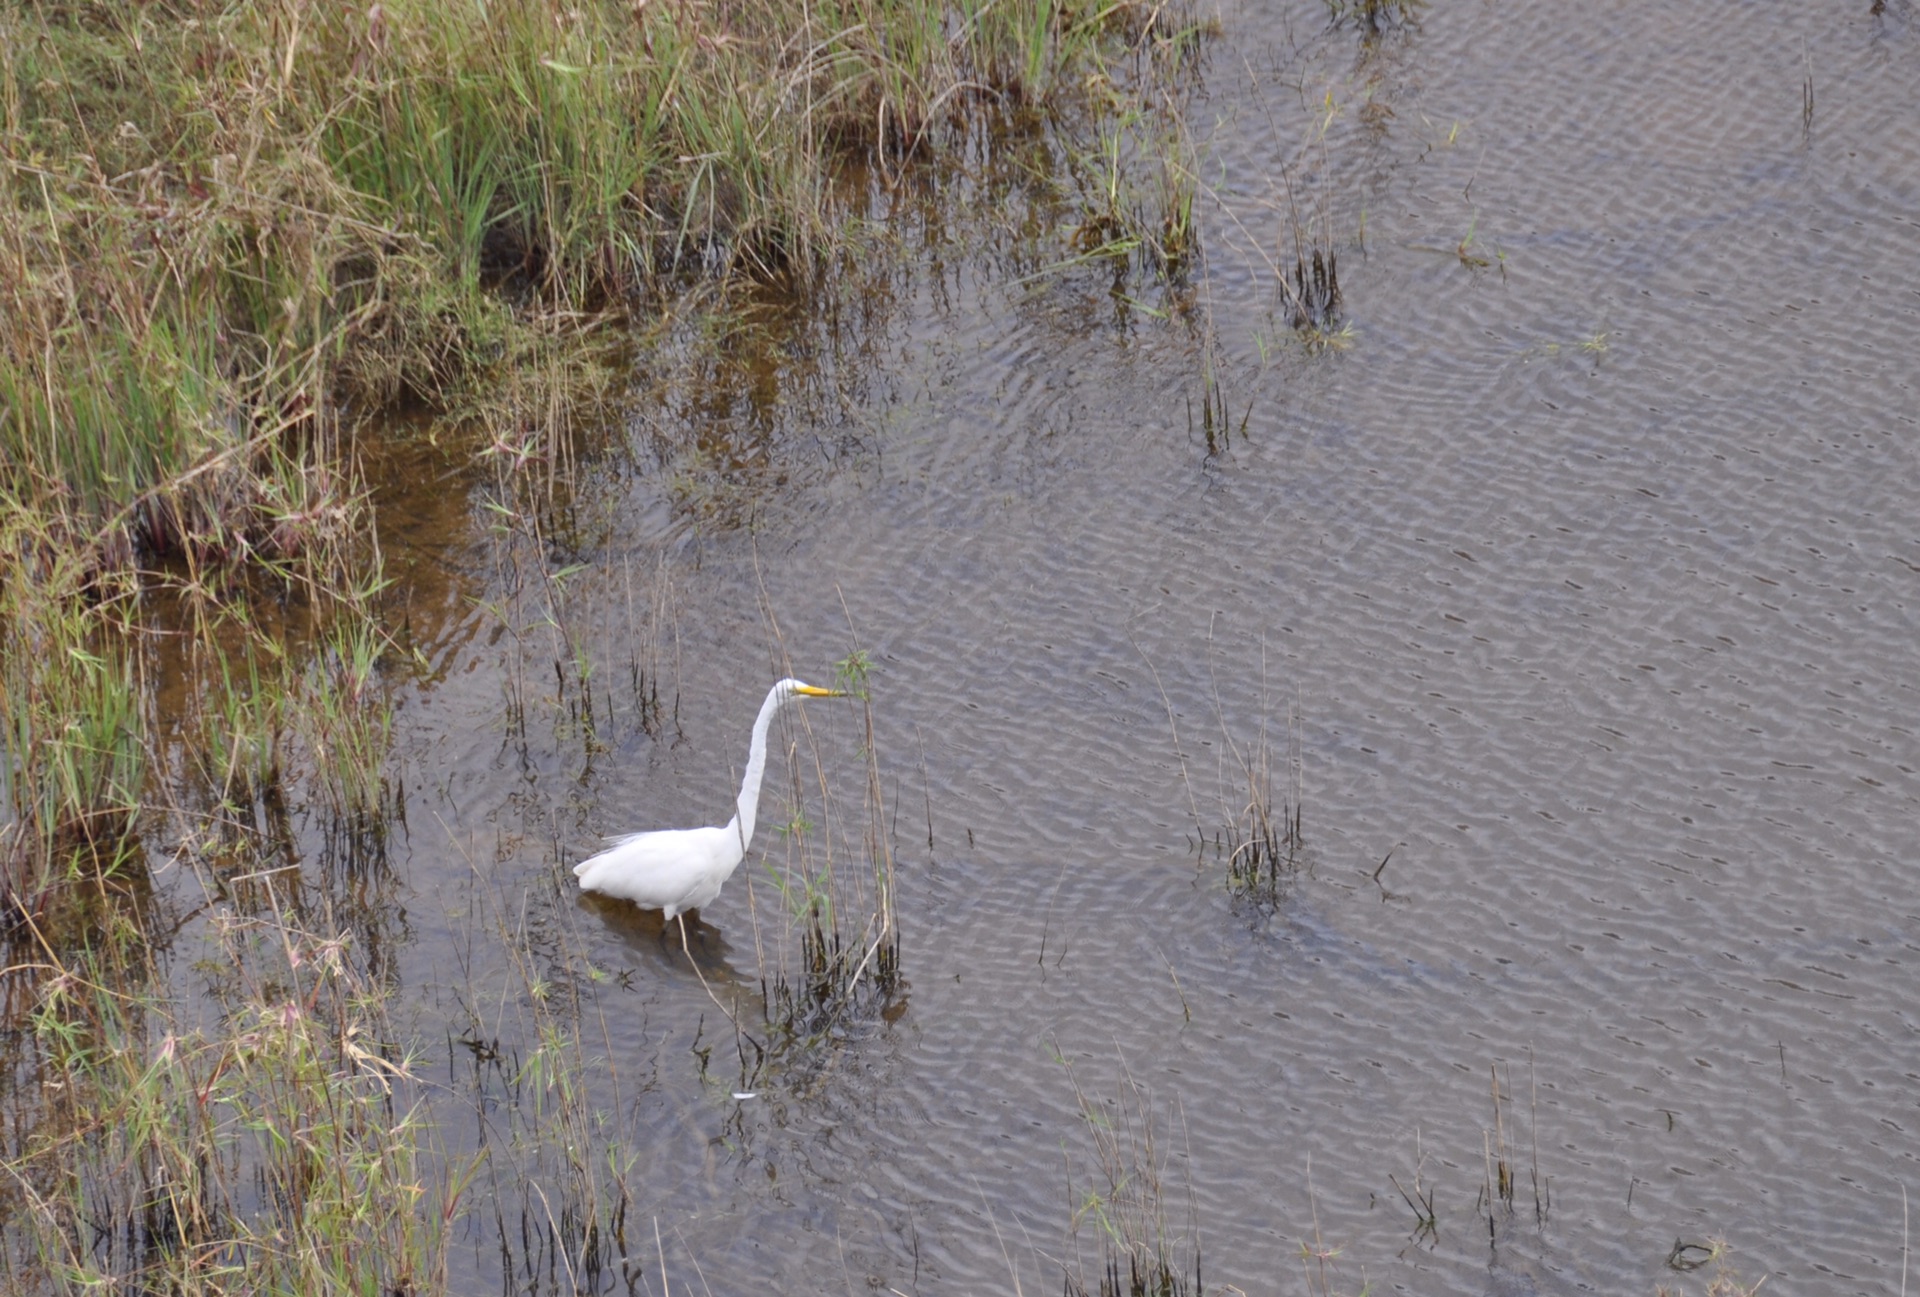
(1596, 344)
(1470, 251)
(1329, 339)
(1435, 140)
(1465, 249)
(852, 672)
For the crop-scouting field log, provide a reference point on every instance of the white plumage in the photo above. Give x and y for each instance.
(676, 870)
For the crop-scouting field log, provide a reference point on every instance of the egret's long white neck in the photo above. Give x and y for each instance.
(749, 803)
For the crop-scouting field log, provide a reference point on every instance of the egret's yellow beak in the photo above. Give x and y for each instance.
(814, 691)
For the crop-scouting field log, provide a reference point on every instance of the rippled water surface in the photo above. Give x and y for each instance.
(1580, 576)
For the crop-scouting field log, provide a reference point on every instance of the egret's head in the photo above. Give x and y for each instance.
(789, 688)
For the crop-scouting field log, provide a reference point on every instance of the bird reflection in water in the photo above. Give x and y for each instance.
(650, 940)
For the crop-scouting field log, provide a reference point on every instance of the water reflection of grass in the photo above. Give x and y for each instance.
(1374, 17)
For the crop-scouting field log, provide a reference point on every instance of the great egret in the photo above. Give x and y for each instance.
(676, 870)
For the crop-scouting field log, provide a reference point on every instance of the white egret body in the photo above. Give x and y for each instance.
(676, 870)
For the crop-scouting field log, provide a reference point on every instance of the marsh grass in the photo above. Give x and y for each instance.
(346, 720)
(1257, 840)
(74, 707)
(830, 953)
(233, 232)
(1216, 423)
(1308, 216)
(592, 658)
(1121, 1200)
(1320, 1269)
(242, 719)
(1499, 1189)
(279, 1147)
(534, 1065)
(1130, 160)
(1310, 274)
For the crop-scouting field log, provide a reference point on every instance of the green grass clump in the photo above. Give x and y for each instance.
(272, 1151)
(72, 702)
(221, 220)
(347, 722)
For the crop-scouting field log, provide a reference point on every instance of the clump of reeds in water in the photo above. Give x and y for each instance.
(1501, 1185)
(1306, 263)
(1124, 1201)
(835, 961)
(1135, 173)
(834, 981)
(1260, 843)
(550, 1110)
(1310, 279)
(72, 760)
(1374, 17)
(1314, 286)
(1261, 851)
(546, 424)
(266, 1144)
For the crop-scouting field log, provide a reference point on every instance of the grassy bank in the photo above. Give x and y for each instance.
(226, 220)
(232, 230)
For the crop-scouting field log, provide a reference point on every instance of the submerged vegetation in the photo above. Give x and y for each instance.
(1373, 17)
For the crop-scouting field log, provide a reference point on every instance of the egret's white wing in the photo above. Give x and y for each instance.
(668, 869)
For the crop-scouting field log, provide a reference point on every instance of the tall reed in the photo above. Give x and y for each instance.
(832, 958)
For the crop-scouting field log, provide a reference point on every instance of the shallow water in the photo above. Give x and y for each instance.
(1581, 580)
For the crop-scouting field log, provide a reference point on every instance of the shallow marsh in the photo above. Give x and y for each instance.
(1574, 583)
